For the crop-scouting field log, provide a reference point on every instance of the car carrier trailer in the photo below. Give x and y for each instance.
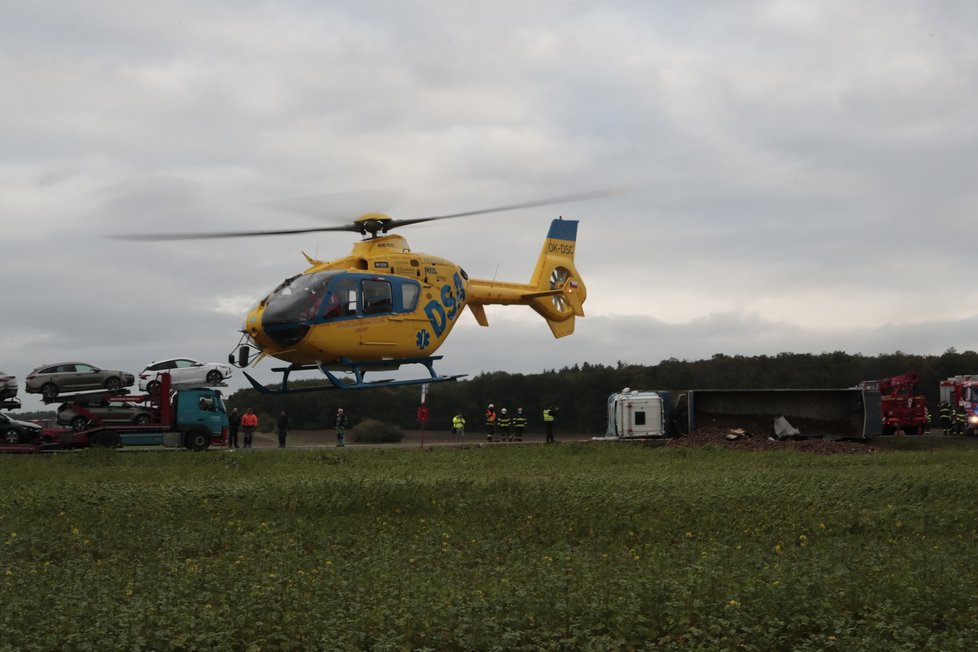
(193, 418)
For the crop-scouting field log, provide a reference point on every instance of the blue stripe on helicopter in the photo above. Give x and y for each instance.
(563, 230)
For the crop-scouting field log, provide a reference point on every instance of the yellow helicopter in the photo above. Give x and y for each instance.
(384, 305)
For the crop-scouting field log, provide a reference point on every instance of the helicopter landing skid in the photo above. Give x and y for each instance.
(358, 369)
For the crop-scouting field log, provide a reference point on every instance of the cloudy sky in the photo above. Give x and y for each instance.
(802, 173)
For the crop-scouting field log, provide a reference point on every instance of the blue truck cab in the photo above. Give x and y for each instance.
(193, 418)
(199, 420)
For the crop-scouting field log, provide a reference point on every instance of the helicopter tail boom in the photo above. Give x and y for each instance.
(555, 291)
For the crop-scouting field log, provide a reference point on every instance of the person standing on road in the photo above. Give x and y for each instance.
(340, 426)
(945, 414)
(458, 424)
(519, 424)
(549, 416)
(249, 421)
(234, 422)
(503, 422)
(283, 429)
(960, 419)
(490, 422)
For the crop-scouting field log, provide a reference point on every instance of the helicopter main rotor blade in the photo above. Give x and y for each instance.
(334, 207)
(363, 228)
(565, 199)
(153, 237)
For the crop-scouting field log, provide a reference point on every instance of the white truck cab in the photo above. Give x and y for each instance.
(636, 414)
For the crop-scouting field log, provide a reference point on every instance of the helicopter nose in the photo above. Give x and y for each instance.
(266, 330)
(285, 334)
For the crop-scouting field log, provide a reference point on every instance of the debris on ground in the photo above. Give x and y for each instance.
(736, 433)
(783, 428)
(756, 432)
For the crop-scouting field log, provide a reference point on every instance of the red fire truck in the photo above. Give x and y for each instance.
(902, 409)
(962, 391)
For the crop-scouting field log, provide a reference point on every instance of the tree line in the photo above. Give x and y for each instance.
(581, 391)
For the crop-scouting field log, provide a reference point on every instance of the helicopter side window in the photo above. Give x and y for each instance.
(376, 297)
(332, 308)
(409, 296)
(343, 299)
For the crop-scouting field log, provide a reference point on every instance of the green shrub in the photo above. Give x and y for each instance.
(372, 431)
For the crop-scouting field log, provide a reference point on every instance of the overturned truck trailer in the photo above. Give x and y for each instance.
(833, 413)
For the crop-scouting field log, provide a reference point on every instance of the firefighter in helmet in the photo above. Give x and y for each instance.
(946, 417)
(519, 424)
(503, 423)
(960, 419)
(490, 422)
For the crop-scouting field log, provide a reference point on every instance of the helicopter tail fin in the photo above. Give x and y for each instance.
(559, 290)
(555, 291)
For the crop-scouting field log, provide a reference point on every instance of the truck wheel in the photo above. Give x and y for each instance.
(49, 390)
(197, 440)
(214, 377)
(11, 437)
(79, 423)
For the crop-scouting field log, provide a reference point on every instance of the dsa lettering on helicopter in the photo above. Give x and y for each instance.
(439, 314)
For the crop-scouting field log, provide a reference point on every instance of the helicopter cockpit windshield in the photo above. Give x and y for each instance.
(299, 299)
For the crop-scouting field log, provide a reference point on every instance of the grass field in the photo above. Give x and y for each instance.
(570, 547)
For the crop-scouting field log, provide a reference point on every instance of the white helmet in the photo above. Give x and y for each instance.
(503, 410)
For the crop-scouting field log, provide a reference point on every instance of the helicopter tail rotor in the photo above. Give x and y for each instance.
(560, 291)
(556, 290)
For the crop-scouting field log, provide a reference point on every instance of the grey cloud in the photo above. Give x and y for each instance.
(782, 154)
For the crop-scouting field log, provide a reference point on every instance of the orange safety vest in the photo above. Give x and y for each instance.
(249, 419)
